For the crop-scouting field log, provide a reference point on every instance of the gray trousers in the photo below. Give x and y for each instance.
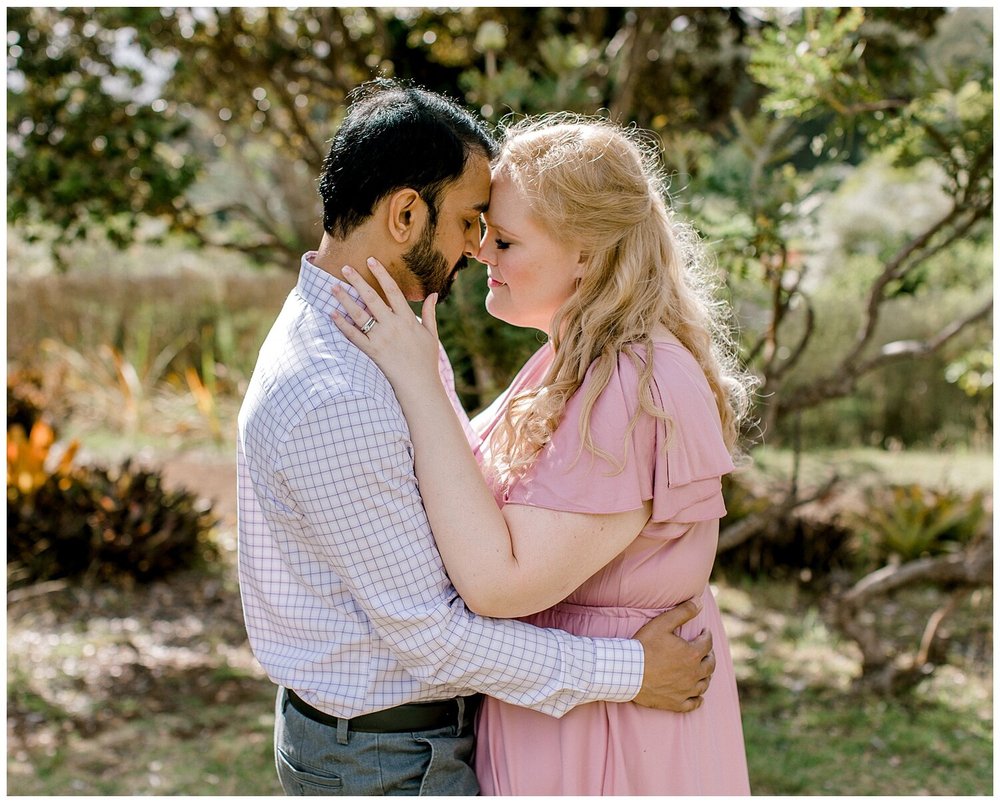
(317, 759)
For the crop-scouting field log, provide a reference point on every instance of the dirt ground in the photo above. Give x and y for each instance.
(212, 477)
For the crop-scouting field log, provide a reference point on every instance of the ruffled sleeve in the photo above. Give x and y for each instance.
(677, 464)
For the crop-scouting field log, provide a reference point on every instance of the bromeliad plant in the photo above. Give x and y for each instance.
(925, 539)
(103, 525)
(907, 522)
(117, 526)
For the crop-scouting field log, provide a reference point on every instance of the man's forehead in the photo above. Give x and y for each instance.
(472, 194)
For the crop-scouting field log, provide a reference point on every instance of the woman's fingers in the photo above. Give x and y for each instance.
(392, 292)
(428, 314)
(351, 332)
(373, 310)
(371, 298)
(357, 313)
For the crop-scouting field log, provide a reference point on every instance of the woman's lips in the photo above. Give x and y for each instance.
(491, 282)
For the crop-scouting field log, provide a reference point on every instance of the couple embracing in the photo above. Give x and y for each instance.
(518, 604)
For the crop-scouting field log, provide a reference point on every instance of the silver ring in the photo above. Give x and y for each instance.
(368, 325)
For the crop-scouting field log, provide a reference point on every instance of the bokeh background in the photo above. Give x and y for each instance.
(161, 168)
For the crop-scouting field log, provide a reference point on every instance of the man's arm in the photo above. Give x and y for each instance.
(349, 470)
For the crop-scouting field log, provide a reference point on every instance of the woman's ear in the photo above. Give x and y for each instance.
(406, 211)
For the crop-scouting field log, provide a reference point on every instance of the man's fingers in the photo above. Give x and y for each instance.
(684, 612)
(702, 644)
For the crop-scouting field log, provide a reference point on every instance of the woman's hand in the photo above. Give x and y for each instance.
(404, 347)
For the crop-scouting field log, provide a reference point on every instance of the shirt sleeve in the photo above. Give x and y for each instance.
(348, 465)
(677, 464)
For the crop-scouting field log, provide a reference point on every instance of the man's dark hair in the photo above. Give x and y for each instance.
(395, 135)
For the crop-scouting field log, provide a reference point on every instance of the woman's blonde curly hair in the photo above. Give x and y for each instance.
(599, 187)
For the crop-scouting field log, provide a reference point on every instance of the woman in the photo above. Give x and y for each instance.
(603, 459)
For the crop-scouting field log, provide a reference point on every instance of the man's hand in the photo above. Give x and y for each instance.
(677, 671)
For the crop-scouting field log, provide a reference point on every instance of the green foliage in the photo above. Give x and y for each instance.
(85, 153)
(972, 373)
(907, 522)
(812, 65)
(107, 526)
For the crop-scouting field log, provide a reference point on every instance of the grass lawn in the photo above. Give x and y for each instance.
(808, 732)
(153, 691)
(137, 696)
(961, 471)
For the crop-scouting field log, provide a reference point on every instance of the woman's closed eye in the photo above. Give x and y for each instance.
(502, 245)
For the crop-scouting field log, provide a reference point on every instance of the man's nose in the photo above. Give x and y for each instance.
(472, 244)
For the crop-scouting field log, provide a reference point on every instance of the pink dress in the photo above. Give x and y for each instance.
(623, 748)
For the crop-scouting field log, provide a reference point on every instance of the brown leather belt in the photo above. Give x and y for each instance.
(456, 712)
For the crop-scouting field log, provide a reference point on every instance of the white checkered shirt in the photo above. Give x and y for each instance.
(345, 597)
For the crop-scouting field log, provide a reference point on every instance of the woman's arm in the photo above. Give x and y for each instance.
(504, 563)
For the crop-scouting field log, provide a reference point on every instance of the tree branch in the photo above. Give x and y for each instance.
(800, 347)
(895, 268)
(930, 636)
(843, 379)
(907, 349)
(971, 567)
(747, 527)
(843, 383)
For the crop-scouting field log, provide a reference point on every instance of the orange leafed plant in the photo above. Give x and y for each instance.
(27, 456)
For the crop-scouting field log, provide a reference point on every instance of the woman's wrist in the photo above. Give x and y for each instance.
(420, 394)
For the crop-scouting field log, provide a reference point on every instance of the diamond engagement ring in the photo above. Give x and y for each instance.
(368, 325)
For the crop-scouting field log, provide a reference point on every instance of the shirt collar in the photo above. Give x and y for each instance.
(314, 286)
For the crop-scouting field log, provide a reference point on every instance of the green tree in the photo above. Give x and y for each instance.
(232, 160)
(837, 91)
(213, 121)
(83, 149)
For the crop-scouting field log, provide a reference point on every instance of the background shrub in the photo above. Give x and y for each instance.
(104, 525)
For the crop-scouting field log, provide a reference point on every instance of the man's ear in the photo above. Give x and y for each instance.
(406, 211)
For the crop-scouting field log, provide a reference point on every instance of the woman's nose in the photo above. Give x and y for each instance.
(483, 251)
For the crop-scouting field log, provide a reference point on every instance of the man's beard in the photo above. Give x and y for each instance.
(429, 265)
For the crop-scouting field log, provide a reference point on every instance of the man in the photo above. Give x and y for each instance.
(346, 601)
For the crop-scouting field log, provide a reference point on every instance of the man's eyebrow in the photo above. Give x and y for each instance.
(481, 208)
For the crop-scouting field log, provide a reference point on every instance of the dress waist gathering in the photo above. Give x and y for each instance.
(599, 621)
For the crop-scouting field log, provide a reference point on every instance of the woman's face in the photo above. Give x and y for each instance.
(531, 273)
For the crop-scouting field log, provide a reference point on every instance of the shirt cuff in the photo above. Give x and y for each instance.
(619, 670)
